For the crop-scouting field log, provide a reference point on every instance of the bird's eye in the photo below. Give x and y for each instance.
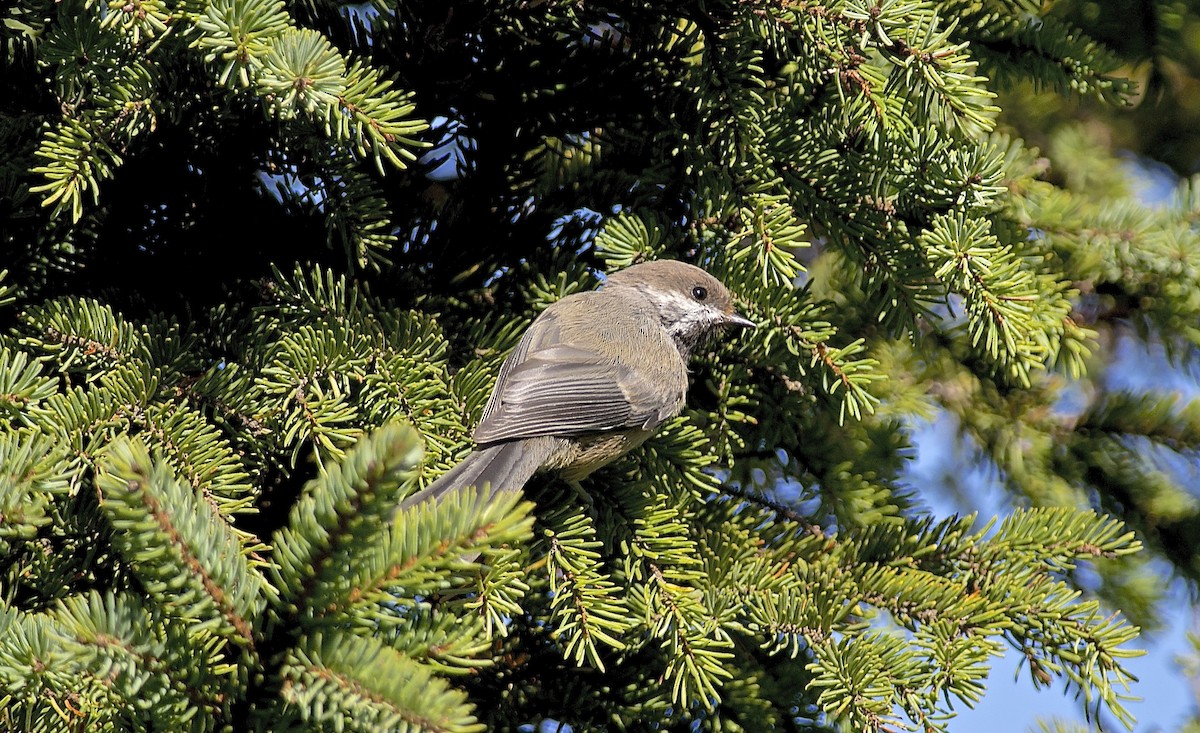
(699, 293)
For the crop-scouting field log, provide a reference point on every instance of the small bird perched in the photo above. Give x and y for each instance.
(594, 376)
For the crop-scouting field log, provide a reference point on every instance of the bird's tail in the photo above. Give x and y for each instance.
(502, 467)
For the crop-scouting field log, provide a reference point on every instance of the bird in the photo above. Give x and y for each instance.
(594, 376)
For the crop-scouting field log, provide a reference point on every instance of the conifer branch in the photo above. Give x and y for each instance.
(169, 537)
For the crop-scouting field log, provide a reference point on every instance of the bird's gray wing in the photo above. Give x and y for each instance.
(549, 388)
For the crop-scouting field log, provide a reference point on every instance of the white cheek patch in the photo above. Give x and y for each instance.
(686, 319)
(695, 322)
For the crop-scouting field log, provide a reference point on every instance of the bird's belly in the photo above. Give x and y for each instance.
(578, 457)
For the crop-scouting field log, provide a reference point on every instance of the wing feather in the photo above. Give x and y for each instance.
(550, 385)
(544, 397)
(565, 390)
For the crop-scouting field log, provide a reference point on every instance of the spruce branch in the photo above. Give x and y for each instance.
(32, 475)
(864, 675)
(1159, 417)
(164, 673)
(357, 683)
(298, 71)
(8, 291)
(309, 381)
(137, 18)
(105, 91)
(1010, 319)
(1051, 52)
(663, 574)
(185, 553)
(843, 373)
(45, 688)
(471, 540)
(344, 510)
(76, 162)
(781, 509)
(200, 454)
(83, 334)
(586, 606)
(21, 384)
(770, 234)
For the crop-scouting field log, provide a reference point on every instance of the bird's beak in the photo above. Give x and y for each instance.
(735, 319)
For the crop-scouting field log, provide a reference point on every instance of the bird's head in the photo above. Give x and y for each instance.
(693, 305)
